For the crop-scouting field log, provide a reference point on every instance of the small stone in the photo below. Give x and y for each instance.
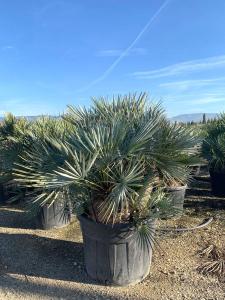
(164, 272)
(75, 263)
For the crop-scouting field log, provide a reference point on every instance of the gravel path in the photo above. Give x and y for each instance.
(36, 264)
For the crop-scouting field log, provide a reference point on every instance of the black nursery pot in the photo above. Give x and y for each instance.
(177, 195)
(54, 216)
(113, 255)
(217, 183)
(2, 194)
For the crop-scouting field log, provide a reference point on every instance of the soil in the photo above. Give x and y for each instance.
(38, 264)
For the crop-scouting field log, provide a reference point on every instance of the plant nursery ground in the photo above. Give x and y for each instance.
(37, 264)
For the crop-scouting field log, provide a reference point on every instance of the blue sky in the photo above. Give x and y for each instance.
(59, 52)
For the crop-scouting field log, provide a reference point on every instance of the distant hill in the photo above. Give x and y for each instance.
(179, 118)
(30, 118)
(192, 117)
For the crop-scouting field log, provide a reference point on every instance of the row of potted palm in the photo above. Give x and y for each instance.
(213, 150)
(122, 166)
(12, 133)
(17, 135)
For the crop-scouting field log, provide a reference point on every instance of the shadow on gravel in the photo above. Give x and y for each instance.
(214, 203)
(32, 255)
(37, 256)
(203, 198)
(13, 218)
(32, 288)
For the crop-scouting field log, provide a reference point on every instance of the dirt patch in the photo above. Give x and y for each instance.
(36, 264)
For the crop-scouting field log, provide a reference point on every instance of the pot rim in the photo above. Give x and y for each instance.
(124, 226)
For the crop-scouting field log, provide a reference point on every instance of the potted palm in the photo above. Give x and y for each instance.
(54, 215)
(213, 149)
(10, 129)
(107, 167)
(50, 214)
(202, 165)
(177, 142)
(16, 136)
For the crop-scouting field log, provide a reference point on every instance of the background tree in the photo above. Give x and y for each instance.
(204, 119)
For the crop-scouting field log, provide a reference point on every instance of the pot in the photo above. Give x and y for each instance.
(195, 170)
(55, 216)
(113, 254)
(2, 194)
(177, 196)
(217, 183)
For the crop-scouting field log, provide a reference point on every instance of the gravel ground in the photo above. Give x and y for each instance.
(36, 264)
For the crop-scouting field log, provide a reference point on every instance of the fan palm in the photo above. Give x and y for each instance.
(175, 145)
(12, 137)
(213, 149)
(213, 146)
(109, 162)
(16, 135)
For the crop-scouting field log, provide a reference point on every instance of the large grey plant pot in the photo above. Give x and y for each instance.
(113, 255)
(177, 195)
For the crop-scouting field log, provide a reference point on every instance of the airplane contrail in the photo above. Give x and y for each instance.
(125, 52)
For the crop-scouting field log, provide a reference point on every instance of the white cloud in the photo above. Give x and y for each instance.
(7, 47)
(118, 52)
(209, 99)
(191, 83)
(198, 98)
(183, 68)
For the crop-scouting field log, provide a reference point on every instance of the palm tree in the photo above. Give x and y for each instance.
(213, 149)
(12, 138)
(109, 164)
(175, 145)
(17, 135)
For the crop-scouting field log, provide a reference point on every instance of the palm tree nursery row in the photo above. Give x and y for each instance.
(119, 165)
